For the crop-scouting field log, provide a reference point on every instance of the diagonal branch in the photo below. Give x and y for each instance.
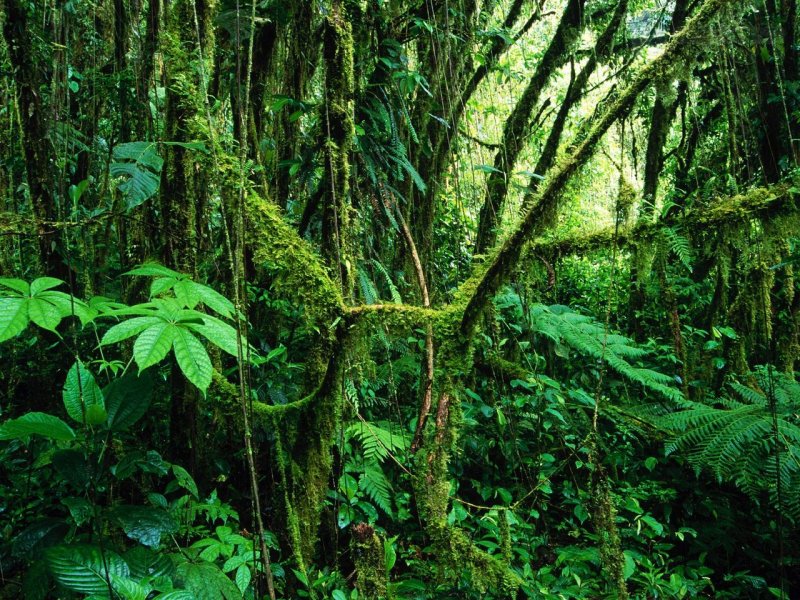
(477, 291)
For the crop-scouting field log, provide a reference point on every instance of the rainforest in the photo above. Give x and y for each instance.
(399, 299)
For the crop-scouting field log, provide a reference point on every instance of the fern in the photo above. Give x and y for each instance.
(377, 440)
(589, 337)
(679, 245)
(741, 441)
(373, 483)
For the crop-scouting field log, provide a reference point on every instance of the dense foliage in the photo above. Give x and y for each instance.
(415, 299)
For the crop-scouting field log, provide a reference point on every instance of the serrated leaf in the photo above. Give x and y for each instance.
(186, 293)
(13, 317)
(219, 333)
(68, 305)
(153, 344)
(145, 524)
(44, 314)
(81, 394)
(129, 328)
(127, 400)
(18, 285)
(160, 285)
(243, 577)
(36, 423)
(85, 569)
(192, 359)
(214, 300)
(44, 283)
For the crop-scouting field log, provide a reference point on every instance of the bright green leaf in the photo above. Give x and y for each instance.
(44, 314)
(81, 395)
(13, 317)
(192, 358)
(128, 328)
(36, 423)
(153, 344)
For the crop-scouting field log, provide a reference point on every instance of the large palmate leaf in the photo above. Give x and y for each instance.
(85, 569)
(36, 423)
(139, 164)
(83, 399)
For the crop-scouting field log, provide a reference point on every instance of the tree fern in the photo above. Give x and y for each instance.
(742, 441)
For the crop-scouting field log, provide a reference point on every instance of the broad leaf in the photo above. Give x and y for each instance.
(186, 293)
(18, 285)
(140, 165)
(144, 562)
(127, 399)
(161, 285)
(44, 283)
(129, 328)
(206, 582)
(36, 423)
(153, 344)
(145, 524)
(44, 314)
(13, 317)
(214, 300)
(192, 359)
(85, 569)
(83, 399)
(154, 270)
(68, 305)
(219, 333)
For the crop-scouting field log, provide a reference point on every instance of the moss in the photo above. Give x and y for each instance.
(367, 550)
(604, 517)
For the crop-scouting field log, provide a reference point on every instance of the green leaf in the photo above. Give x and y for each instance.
(18, 285)
(205, 581)
(36, 423)
(13, 317)
(140, 165)
(243, 577)
(44, 314)
(84, 568)
(79, 508)
(127, 399)
(160, 285)
(186, 294)
(145, 524)
(219, 333)
(214, 300)
(129, 328)
(185, 480)
(82, 397)
(68, 305)
(192, 359)
(144, 562)
(154, 270)
(44, 283)
(153, 344)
